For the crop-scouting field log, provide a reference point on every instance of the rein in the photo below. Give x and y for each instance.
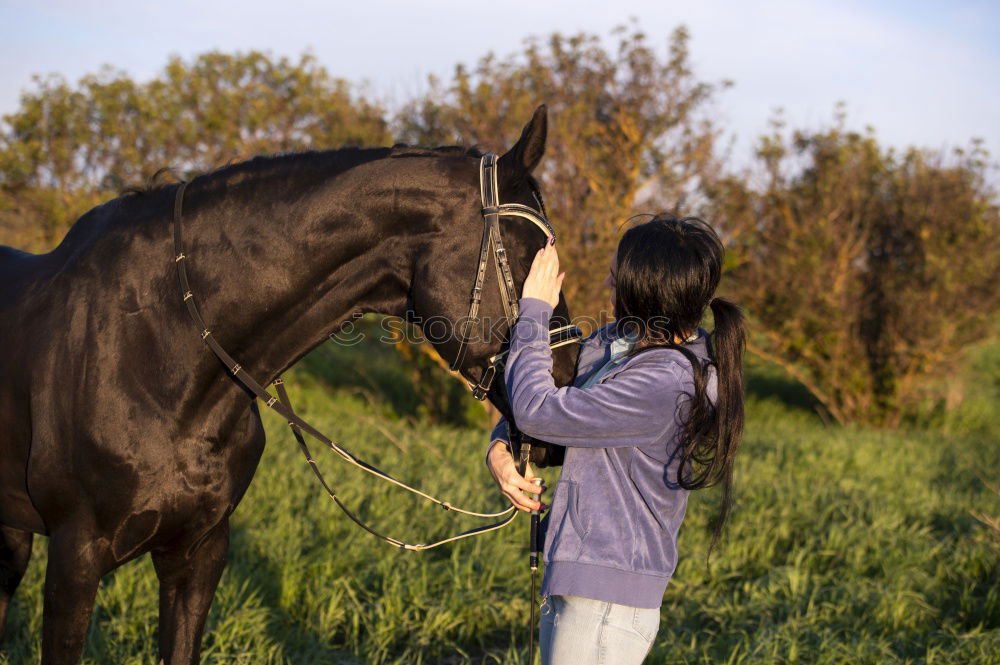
(282, 404)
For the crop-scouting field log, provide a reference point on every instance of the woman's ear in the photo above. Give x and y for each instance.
(518, 162)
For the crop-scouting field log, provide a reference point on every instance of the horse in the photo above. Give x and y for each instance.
(122, 434)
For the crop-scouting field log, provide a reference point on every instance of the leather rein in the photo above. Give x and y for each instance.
(280, 403)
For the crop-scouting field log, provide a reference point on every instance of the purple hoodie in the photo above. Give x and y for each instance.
(617, 509)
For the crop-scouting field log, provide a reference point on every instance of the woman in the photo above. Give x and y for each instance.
(656, 410)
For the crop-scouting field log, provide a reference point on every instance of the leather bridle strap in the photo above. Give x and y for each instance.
(281, 405)
(491, 212)
(489, 192)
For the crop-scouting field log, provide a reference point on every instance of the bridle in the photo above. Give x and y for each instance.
(492, 210)
(489, 192)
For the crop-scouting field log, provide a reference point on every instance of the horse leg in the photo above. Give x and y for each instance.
(188, 578)
(15, 552)
(77, 561)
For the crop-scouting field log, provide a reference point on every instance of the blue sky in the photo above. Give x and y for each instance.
(921, 73)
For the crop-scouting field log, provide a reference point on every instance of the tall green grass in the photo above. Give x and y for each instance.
(846, 545)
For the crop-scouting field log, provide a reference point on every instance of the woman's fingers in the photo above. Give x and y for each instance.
(523, 483)
(522, 502)
(544, 280)
(514, 484)
(511, 483)
(550, 260)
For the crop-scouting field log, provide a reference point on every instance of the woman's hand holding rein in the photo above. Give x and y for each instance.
(511, 483)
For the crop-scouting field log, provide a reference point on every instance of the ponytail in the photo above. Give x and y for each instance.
(712, 431)
(728, 342)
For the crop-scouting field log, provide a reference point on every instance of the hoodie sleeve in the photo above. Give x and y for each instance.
(634, 407)
(499, 434)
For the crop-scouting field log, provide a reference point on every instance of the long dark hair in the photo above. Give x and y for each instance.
(668, 270)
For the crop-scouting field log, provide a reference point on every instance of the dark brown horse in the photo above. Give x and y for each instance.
(121, 433)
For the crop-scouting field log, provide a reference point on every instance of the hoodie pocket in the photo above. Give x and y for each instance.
(564, 542)
(573, 508)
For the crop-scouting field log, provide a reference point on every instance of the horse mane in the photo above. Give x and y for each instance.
(339, 159)
(163, 177)
(404, 150)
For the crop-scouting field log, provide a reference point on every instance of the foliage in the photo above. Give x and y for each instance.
(443, 393)
(863, 270)
(846, 546)
(70, 146)
(628, 129)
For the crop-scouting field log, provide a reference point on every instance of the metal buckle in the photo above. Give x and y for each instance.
(482, 388)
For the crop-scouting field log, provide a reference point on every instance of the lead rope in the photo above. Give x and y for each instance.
(298, 424)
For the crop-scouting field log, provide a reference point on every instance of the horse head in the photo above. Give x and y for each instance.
(445, 274)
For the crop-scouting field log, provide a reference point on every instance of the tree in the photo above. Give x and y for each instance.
(863, 270)
(628, 132)
(68, 147)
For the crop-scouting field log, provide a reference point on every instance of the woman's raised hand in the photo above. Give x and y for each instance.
(544, 280)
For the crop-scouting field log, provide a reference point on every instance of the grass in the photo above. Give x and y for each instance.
(846, 546)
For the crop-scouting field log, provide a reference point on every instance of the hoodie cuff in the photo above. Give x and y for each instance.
(538, 312)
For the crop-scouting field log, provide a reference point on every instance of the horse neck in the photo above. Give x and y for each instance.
(279, 263)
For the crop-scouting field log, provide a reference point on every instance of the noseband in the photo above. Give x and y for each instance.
(492, 210)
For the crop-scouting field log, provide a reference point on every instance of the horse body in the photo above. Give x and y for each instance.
(121, 434)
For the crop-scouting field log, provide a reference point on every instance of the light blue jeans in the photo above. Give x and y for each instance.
(581, 631)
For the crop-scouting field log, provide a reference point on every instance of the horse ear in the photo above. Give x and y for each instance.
(522, 159)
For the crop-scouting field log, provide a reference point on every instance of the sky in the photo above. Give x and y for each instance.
(920, 72)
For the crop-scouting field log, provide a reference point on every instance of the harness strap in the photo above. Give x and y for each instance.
(504, 278)
(508, 292)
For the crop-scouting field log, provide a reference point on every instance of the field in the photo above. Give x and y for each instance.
(846, 546)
